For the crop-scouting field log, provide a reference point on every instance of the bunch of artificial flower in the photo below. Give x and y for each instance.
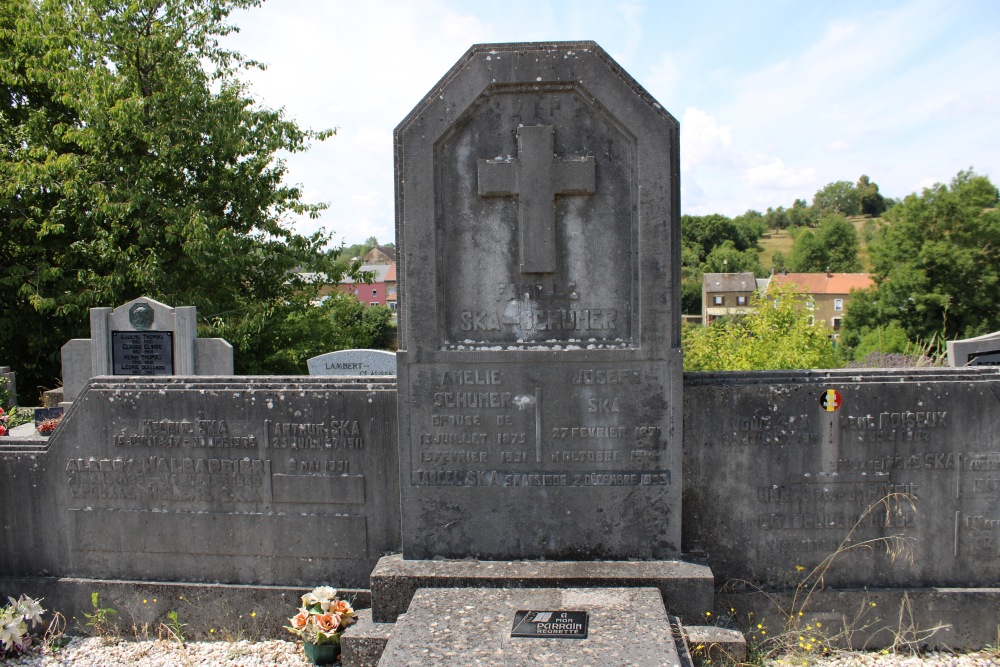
(14, 619)
(322, 617)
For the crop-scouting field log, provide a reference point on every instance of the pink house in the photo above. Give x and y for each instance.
(381, 289)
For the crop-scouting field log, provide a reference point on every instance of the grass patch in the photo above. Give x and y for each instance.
(779, 240)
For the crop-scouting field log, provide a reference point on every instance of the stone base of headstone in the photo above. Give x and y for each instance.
(455, 627)
(686, 588)
(712, 645)
(52, 398)
(363, 644)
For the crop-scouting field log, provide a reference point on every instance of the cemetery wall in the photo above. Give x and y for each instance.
(294, 482)
(287, 481)
(783, 469)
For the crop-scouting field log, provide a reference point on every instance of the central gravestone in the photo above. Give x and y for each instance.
(539, 365)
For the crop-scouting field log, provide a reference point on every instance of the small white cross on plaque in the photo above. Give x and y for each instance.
(535, 177)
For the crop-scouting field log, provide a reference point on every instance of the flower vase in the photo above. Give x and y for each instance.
(322, 654)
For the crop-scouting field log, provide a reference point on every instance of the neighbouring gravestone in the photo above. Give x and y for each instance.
(142, 337)
(353, 363)
(540, 366)
(289, 481)
(980, 351)
(783, 469)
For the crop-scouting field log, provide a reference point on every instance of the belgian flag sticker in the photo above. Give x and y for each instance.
(831, 400)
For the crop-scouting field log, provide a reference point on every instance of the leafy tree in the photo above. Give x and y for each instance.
(777, 334)
(936, 265)
(872, 203)
(725, 258)
(778, 262)
(135, 162)
(837, 197)
(833, 247)
(751, 226)
(777, 218)
(280, 339)
(691, 295)
(882, 340)
(690, 255)
(702, 234)
(801, 214)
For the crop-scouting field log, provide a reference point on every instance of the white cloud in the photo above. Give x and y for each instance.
(838, 146)
(704, 140)
(774, 174)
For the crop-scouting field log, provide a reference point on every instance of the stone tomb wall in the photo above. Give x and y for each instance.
(294, 481)
(237, 480)
(775, 482)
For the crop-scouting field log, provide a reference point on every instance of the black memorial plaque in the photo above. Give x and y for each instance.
(991, 358)
(557, 624)
(142, 352)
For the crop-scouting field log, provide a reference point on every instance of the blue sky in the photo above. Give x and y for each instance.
(775, 98)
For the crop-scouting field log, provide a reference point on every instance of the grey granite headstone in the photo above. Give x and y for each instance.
(233, 480)
(979, 351)
(540, 366)
(775, 482)
(142, 337)
(353, 363)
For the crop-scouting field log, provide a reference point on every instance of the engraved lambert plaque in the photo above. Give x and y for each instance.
(142, 352)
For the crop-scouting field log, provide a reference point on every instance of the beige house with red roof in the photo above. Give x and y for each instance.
(831, 293)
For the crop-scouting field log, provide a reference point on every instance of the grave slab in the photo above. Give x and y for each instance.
(462, 627)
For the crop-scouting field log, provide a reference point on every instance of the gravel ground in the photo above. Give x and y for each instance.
(95, 652)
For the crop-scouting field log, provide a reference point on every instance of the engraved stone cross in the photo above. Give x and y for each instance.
(535, 177)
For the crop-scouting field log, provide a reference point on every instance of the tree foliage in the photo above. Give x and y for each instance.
(832, 247)
(936, 265)
(700, 235)
(799, 215)
(776, 334)
(135, 162)
(281, 338)
(870, 200)
(837, 197)
(725, 258)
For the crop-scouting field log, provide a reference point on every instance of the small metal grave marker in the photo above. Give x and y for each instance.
(142, 352)
(551, 624)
